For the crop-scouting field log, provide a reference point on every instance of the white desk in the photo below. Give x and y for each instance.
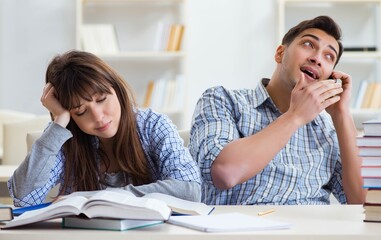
(339, 222)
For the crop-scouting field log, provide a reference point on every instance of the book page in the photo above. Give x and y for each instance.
(178, 205)
(124, 205)
(61, 208)
(182, 206)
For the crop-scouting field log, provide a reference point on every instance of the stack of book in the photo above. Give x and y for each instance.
(370, 151)
(372, 205)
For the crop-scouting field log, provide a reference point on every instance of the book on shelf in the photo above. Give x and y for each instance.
(179, 99)
(361, 49)
(227, 222)
(112, 203)
(360, 94)
(148, 95)
(81, 222)
(168, 37)
(6, 213)
(165, 94)
(158, 93)
(370, 171)
(161, 36)
(368, 95)
(176, 33)
(99, 38)
(375, 101)
(372, 182)
(372, 127)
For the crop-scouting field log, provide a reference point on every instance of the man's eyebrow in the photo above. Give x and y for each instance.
(318, 39)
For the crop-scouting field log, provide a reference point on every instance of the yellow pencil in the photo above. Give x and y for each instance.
(266, 212)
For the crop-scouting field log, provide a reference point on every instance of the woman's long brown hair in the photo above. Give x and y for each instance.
(78, 75)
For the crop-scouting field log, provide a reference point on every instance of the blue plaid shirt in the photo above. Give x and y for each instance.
(166, 156)
(305, 171)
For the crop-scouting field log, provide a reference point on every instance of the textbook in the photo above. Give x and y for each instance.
(372, 127)
(106, 223)
(227, 222)
(111, 203)
(6, 213)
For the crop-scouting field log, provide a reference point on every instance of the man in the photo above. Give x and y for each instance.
(289, 141)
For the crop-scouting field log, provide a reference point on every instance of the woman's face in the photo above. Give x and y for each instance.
(100, 116)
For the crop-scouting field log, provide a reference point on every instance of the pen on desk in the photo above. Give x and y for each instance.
(266, 212)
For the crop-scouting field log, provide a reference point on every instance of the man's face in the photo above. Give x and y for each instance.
(311, 55)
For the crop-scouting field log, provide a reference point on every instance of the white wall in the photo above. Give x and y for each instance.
(230, 43)
(32, 32)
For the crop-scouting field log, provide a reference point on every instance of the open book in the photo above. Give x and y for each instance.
(111, 203)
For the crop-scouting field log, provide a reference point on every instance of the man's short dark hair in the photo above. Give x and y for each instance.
(323, 23)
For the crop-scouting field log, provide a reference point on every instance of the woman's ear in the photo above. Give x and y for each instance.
(279, 53)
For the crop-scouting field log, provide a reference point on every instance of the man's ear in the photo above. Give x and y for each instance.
(279, 53)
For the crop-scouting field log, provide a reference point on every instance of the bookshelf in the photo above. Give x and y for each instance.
(139, 30)
(361, 28)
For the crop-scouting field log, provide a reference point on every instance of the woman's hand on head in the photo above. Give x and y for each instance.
(49, 101)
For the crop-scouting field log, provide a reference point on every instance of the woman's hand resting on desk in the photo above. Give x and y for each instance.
(49, 100)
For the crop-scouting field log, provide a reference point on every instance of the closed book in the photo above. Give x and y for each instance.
(99, 38)
(368, 95)
(370, 171)
(175, 37)
(372, 127)
(372, 182)
(376, 97)
(368, 141)
(6, 213)
(105, 223)
(372, 212)
(148, 96)
(369, 151)
(373, 196)
(371, 161)
(360, 94)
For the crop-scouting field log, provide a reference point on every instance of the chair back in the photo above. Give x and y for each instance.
(15, 147)
(185, 135)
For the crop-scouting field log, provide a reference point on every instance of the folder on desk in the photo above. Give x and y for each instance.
(21, 210)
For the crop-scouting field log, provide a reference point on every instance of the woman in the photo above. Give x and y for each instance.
(98, 139)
